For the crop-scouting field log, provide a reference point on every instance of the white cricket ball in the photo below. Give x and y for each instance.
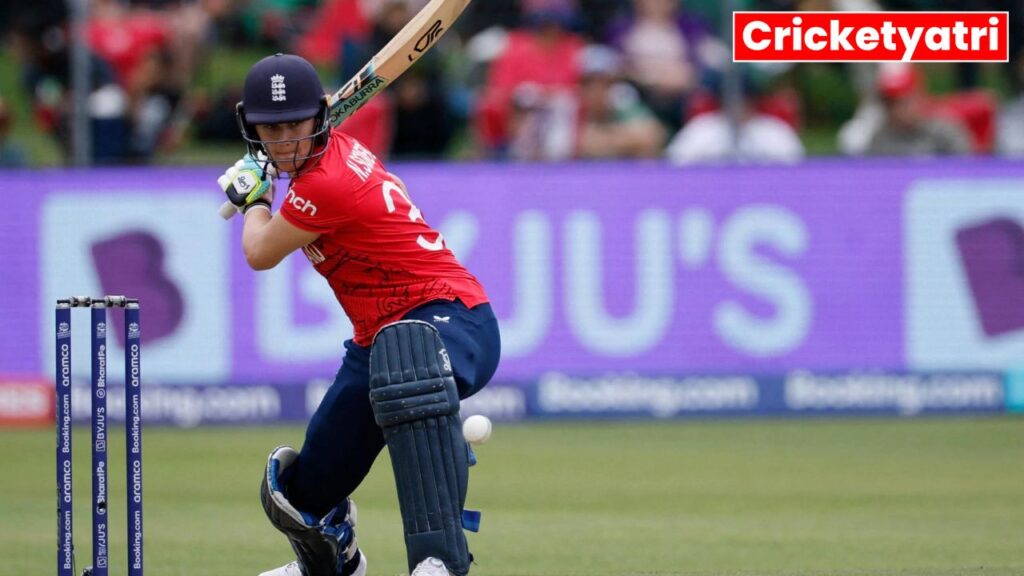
(477, 429)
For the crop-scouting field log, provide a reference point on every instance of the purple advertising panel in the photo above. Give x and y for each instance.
(592, 269)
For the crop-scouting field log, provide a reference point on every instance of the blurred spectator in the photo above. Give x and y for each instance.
(1010, 130)
(597, 17)
(42, 49)
(214, 115)
(614, 123)
(125, 31)
(540, 63)
(11, 156)
(542, 124)
(755, 137)
(970, 75)
(422, 122)
(41, 13)
(666, 54)
(276, 24)
(334, 24)
(191, 23)
(139, 44)
(124, 38)
(480, 16)
(907, 127)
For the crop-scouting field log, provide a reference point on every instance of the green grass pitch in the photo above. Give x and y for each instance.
(812, 497)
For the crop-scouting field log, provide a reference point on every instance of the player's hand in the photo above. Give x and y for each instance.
(249, 182)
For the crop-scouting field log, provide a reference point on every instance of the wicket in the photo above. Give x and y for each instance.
(133, 433)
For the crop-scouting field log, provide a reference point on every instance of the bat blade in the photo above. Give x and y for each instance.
(401, 52)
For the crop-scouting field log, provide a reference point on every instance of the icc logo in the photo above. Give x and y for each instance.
(101, 330)
(63, 330)
(133, 330)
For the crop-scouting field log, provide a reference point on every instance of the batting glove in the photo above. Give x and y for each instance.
(250, 182)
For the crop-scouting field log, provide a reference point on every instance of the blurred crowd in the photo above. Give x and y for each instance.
(521, 80)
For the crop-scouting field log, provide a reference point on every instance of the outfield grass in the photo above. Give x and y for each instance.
(855, 497)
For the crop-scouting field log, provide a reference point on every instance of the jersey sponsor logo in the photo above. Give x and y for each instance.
(361, 161)
(299, 203)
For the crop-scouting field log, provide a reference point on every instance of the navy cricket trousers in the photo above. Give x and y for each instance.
(343, 440)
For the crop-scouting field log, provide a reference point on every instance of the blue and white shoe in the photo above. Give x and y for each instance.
(293, 569)
(431, 567)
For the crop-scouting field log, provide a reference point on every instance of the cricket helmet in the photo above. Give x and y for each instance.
(283, 88)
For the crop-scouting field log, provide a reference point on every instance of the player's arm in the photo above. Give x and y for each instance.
(267, 239)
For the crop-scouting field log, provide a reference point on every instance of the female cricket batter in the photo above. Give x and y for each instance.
(425, 335)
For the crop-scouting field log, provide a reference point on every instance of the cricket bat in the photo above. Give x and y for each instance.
(411, 42)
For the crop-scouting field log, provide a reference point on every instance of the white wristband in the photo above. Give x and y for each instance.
(257, 205)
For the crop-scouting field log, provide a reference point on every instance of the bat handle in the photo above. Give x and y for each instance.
(228, 210)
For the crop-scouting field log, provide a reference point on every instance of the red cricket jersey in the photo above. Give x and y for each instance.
(375, 250)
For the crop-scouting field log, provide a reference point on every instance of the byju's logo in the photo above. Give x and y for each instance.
(992, 253)
(137, 248)
(964, 290)
(277, 93)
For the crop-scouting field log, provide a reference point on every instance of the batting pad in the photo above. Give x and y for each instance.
(323, 547)
(416, 402)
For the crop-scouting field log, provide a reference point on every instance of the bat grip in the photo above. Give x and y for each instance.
(228, 210)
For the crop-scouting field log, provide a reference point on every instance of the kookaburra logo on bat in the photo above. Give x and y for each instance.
(427, 39)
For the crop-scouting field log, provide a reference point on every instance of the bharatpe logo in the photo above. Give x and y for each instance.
(870, 36)
(63, 330)
(133, 330)
(277, 93)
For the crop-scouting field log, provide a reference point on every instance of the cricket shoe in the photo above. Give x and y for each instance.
(431, 567)
(293, 569)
